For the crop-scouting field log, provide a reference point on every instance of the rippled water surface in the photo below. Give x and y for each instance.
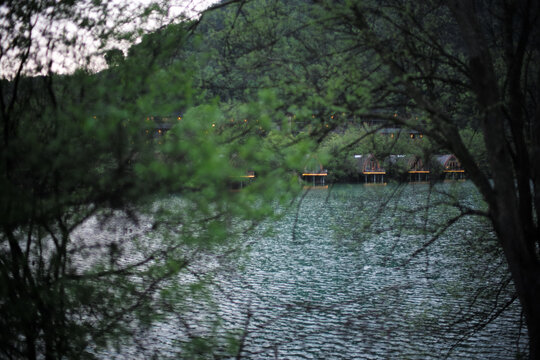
(359, 272)
(338, 279)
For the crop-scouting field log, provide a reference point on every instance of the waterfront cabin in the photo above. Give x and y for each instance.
(241, 181)
(242, 175)
(418, 170)
(407, 168)
(314, 173)
(450, 166)
(370, 168)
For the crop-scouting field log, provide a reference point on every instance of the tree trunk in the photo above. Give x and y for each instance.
(510, 208)
(30, 345)
(531, 304)
(525, 271)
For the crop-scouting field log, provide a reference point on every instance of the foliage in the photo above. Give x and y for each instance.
(473, 141)
(445, 66)
(465, 74)
(255, 89)
(100, 218)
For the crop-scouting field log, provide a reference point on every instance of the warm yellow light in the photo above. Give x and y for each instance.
(213, 125)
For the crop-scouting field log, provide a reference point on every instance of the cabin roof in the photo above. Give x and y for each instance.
(363, 159)
(443, 159)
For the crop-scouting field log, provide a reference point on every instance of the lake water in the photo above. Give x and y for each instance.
(360, 272)
(338, 280)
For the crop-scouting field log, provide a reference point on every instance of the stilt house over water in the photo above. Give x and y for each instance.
(370, 168)
(408, 168)
(418, 170)
(314, 173)
(451, 167)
